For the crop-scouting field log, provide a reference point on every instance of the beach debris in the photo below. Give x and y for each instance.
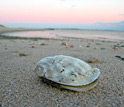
(64, 43)
(103, 40)
(120, 57)
(114, 48)
(42, 44)
(71, 46)
(33, 47)
(67, 72)
(102, 48)
(94, 48)
(92, 40)
(87, 46)
(89, 43)
(122, 45)
(94, 61)
(117, 45)
(98, 43)
(22, 54)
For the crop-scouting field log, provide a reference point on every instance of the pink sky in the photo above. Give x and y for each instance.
(61, 11)
(73, 15)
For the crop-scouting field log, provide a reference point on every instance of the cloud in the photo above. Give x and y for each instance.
(73, 5)
(121, 14)
(110, 26)
(63, 0)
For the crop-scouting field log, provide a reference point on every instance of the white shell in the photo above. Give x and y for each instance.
(66, 70)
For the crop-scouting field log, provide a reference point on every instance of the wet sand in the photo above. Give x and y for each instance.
(19, 86)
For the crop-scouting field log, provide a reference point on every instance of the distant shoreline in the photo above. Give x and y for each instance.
(4, 29)
(7, 30)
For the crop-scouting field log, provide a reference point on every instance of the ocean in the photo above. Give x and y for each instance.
(70, 34)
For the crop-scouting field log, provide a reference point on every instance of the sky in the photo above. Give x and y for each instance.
(87, 14)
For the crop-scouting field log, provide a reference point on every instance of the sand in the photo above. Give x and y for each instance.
(20, 87)
(6, 29)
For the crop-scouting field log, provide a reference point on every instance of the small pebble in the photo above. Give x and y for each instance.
(89, 43)
(33, 46)
(72, 46)
(42, 44)
(93, 61)
(87, 46)
(64, 43)
(22, 54)
(102, 48)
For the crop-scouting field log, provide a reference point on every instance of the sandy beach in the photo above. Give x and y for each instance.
(4, 29)
(20, 87)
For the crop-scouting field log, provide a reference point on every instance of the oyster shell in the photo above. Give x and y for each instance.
(67, 72)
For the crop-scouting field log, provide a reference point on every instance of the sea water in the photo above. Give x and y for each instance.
(70, 34)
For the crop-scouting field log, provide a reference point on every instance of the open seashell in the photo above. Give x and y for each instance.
(67, 72)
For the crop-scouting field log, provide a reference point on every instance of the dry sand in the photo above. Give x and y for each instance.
(20, 87)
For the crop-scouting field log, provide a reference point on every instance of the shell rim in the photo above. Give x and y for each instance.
(70, 85)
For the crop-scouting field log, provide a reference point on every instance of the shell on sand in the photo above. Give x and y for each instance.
(67, 72)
